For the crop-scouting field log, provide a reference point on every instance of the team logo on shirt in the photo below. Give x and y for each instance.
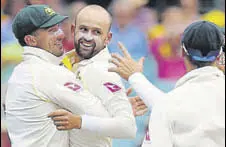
(112, 87)
(72, 86)
(147, 139)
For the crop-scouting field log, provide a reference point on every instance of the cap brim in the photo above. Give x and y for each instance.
(53, 21)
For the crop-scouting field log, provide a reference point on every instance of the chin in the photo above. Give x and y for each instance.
(59, 54)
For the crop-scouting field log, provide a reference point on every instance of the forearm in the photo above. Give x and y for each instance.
(117, 127)
(146, 90)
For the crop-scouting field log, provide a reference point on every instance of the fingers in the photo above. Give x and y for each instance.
(113, 69)
(60, 123)
(58, 112)
(124, 50)
(132, 101)
(61, 128)
(139, 102)
(117, 56)
(60, 118)
(129, 91)
(141, 107)
(114, 62)
(141, 112)
(141, 61)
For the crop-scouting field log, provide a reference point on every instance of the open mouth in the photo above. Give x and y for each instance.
(86, 46)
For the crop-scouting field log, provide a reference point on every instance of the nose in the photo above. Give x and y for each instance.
(88, 36)
(60, 34)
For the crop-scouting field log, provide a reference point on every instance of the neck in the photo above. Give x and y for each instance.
(190, 66)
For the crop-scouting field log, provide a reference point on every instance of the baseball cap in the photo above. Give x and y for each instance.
(202, 41)
(34, 17)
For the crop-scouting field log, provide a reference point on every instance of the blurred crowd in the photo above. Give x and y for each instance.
(147, 28)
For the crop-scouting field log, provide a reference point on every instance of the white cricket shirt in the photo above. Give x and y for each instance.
(108, 88)
(192, 115)
(38, 86)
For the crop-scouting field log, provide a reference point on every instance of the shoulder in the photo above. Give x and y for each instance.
(44, 71)
(97, 76)
(101, 69)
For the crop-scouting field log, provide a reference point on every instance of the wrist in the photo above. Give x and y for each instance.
(134, 76)
(77, 121)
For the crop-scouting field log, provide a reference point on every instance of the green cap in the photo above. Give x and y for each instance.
(34, 17)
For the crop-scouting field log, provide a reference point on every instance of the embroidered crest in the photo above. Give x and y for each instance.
(112, 87)
(73, 86)
(49, 11)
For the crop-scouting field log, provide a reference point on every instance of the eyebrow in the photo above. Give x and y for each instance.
(91, 27)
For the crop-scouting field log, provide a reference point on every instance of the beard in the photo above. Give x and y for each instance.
(81, 53)
(86, 54)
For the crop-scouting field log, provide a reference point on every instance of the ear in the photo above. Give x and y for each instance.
(108, 39)
(30, 40)
(183, 52)
(73, 30)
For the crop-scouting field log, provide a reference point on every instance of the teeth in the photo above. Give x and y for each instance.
(87, 45)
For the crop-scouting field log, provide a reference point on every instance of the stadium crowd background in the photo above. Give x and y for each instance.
(147, 28)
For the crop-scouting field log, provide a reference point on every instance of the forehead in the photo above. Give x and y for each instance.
(93, 21)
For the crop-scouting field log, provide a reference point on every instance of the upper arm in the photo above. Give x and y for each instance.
(62, 89)
(109, 88)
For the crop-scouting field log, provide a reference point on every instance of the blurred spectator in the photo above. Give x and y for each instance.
(190, 11)
(3, 15)
(215, 16)
(165, 47)
(35, 2)
(124, 12)
(221, 5)
(146, 17)
(11, 8)
(73, 8)
(10, 49)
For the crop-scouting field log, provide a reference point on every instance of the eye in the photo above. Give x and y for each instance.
(97, 32)
(52, 30)
(83, 29)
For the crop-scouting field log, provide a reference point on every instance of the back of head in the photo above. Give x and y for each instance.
(202, 41)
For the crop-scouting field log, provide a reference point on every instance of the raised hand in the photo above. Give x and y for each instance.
(125, 66)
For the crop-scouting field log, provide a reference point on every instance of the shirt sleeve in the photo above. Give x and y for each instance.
(146, 90)
(109, 88)
(160, 127)
(62, 89)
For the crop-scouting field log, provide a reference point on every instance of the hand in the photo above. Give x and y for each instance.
(72, 55)
(138, 106)
(221, 67)
(65, 120)
(125, 66)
